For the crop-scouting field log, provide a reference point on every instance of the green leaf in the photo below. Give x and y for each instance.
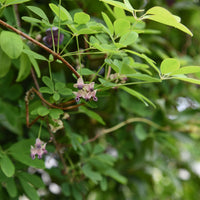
(48, 82)
(12, 2)
(66, 189)
(42, 111)
(126, 69)
(55, 113)
(60, 12)
(163, 16)
(31, 20)
(185, 78)
(92, 175)
(34, 54)
(46, 90)
(138, 95)
(25, 67)
(21, 151)
(128, 38)
(143, 77)
(128, 5)
(11, 187)
(169, 65)
(7, 166)
(186, 70)
(56, 96)
(140, 132)
(115, 175)
(76, 193)
(39, 12)
(85, 72)
(5, 63)
(103, 184)
(119, 5)
(121, 26)
(91, 114)
(35, 180)
(108, 22)
(28, 189)
(11, 44)
(81, 18)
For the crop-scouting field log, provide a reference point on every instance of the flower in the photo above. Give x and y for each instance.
(57, 125)
(39, 149)
(80, 84)
(85, 91)
(48, 38)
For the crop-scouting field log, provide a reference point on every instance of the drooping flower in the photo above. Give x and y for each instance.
(48, 38)
(38, 149)
(58, 124)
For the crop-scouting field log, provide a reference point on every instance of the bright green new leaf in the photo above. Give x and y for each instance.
(185, 78)
(28, 189)
(119, 5)
(128, 5)
(11, 44)
(169, 65)
(60, 12)
(138, 95)
(55, 113)
(46, 90)
(163, 16)
(39, 12)
(108, 22)
(31, 20)
(128, 38)
(81, 18)
(5, 63)
(187, 70)
(91, 114)
(25, 67)
(11, 187)
(121, 27)
(21, 151)
(143, 77)
(12, 2)
(48, 82)
(7, 166)
(42, 111)
(34, 54)
(92, 175)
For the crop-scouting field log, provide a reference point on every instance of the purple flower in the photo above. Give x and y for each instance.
(48, 38)
(80, 84)
(86, 91)
(39, 149)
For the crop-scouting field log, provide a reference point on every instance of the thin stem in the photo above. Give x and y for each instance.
(124, 123)
(79, 55)
(58, 43)
(40, 129)
(42, 46)
(50, 74)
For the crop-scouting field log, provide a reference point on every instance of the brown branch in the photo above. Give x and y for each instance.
(56, 55)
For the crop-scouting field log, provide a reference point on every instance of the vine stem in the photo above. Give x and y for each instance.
(56, 55)
(121, 124)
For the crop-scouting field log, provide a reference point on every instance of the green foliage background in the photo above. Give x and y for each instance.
(152, 154)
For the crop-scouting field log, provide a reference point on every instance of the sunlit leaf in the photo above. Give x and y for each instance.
(11, 44)
(163, 16)
(169, 65)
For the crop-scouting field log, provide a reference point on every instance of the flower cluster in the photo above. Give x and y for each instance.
(118, 78)
(48, 39)
(39, 149)
(85, 91)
